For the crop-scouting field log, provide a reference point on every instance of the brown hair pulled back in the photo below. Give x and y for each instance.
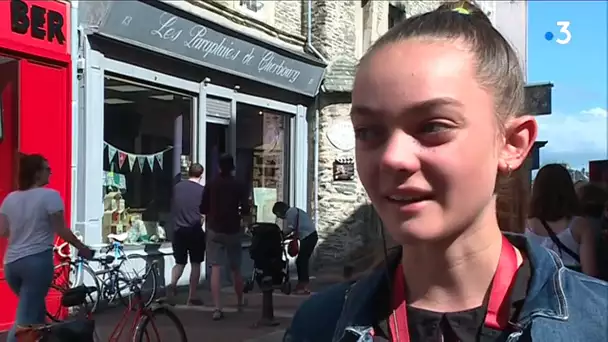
(29, 166)
(497, 70)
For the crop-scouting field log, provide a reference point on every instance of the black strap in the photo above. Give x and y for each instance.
(560, 244)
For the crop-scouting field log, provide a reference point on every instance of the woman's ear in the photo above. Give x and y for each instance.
(519, 137)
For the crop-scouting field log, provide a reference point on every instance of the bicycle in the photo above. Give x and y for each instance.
(146, 316)
(110, 282)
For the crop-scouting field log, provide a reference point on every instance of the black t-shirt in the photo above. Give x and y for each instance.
(225, 199)
(465, 326)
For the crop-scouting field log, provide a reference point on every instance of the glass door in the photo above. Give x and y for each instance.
(8, 159)
(216, 146)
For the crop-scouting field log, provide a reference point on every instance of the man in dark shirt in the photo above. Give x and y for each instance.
(188, 235)
(225, 201)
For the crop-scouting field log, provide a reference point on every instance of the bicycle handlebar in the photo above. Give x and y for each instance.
(59, 248)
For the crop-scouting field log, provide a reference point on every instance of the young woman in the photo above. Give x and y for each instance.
(437, 110)
(30, 217)
(554, 221)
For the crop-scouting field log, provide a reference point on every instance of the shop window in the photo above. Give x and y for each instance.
(262, 157)
(147, 149)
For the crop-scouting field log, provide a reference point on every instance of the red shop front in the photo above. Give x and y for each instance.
(35, 112)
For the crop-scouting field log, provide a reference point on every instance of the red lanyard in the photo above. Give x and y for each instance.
(497, 316)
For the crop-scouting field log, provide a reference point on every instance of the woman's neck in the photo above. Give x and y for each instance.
(454, 276)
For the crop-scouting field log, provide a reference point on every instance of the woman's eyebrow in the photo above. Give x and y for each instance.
(421, 106)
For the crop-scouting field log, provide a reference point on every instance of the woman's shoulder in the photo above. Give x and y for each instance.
(316, 318)
(585, 294)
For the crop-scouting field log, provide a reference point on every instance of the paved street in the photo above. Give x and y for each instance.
(236, 327)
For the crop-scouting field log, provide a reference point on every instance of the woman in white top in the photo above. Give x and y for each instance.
(554, 223)
(30, 217)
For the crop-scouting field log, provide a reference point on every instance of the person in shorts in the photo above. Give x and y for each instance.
(188, 236)
(225, 201)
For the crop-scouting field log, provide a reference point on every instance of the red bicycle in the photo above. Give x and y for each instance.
(145, 327)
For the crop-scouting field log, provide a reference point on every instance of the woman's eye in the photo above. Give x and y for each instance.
(368, 134)
(434, 127)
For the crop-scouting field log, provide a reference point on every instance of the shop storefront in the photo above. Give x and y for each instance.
(35, 103)
(161, 88)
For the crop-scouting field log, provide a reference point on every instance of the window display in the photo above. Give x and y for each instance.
(147, 144)
(262, 158)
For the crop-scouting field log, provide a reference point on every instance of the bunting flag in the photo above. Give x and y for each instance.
(150, 159)
(135, 158)
(121, 158)
(142, 162)
(159, 159)
(131, 159)
(111, 153)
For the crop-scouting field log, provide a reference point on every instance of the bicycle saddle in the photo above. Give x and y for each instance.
(108, 259)
(118, 237)
(76, 296)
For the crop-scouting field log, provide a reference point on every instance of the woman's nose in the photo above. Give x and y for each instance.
(401, 153)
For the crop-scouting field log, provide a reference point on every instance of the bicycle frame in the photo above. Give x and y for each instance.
(140, 312)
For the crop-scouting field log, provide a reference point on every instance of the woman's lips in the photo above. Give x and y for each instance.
(409, 204)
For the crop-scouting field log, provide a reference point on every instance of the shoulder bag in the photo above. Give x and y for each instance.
(558, 243)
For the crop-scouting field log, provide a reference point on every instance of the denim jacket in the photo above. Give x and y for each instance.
(561, 305)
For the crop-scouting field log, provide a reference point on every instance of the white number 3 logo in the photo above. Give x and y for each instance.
(564, 29)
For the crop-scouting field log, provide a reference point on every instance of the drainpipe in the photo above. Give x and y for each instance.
(309, 45)
(74, 52)
(316, 164)
(312, 49)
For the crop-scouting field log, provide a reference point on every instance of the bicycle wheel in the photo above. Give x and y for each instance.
(67, 276)
(117, 286)
(160, 323)
(147, 288)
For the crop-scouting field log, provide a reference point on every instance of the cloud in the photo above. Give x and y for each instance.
(574, 138)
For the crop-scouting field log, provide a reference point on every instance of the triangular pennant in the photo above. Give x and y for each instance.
(132, 160)
(142, 162)
(159, 159)
(150, 159)
(111, 152)
(121, 159)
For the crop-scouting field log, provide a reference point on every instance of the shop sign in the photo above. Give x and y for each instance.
(43, 24)
(142, 24)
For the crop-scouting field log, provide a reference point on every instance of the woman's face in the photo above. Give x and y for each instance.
(428, 143)
(44, 174)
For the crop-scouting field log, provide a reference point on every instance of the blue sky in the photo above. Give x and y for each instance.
(578, 128)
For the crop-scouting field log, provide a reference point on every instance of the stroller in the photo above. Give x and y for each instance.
(270, 263)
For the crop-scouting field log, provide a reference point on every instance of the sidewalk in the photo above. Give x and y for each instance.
(236, 327)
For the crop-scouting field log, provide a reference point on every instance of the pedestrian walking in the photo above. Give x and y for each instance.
(30, 217)
(225, 202)
(188, 238)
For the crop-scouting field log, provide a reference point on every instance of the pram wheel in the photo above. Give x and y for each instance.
(286, 287)
(248, 286)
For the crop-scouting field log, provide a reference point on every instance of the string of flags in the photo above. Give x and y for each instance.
(133, 158)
